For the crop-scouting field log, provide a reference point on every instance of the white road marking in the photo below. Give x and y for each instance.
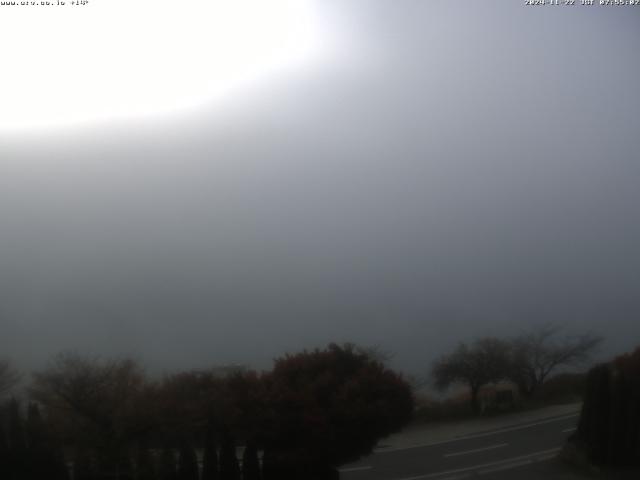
(568, 430)
(479, 435)
(475, 450)
(355, 469)
(510, 465)
(500, 464)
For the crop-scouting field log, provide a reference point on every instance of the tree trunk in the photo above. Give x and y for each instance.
(475, 405)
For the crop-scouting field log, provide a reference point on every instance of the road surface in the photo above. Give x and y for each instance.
(491, 454)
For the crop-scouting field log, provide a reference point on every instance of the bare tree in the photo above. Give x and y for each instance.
(9, 377)
(376, 352)
(537, 353)
(484, 361)
(105, 403)
(89, 386)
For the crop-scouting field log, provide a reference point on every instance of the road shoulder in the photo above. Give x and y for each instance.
(441, 432)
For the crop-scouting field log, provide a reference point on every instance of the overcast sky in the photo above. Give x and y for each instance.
(444, 170)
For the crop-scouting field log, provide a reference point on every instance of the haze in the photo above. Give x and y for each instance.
(450, 170)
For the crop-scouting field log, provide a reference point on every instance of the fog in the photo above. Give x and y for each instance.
(456, 169)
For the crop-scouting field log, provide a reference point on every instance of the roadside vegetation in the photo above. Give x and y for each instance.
(494, 375)
(608, 433)
(91, 418)
(106, 418)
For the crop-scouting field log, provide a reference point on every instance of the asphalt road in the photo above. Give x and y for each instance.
(489, 454)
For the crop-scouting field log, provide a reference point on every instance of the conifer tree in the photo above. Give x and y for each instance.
(229, 468)
(145, 469)
(45, 458)
(39, 460)
(187, 462)
(17, 443)
(5, 459)
(167, 467)
(210, 457)
(59, 470)
(83, 466)
(269, 465)
(250, 462)
(124, 466)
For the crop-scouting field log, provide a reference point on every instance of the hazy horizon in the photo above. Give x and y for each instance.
(443, 171)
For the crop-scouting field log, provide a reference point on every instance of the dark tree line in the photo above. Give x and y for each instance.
(313, 412)
(28, 450)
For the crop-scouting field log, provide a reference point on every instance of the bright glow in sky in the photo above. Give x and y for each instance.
(116, 59)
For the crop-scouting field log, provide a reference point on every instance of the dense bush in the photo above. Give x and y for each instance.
(312, 412)
(331, 406)
(609, 427)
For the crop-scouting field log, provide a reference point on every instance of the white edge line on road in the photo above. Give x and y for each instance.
(355, 469)
(500, 468)
(477, 435)
(568, 430)
(475, 450)
(505, 464)
(520, 463)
